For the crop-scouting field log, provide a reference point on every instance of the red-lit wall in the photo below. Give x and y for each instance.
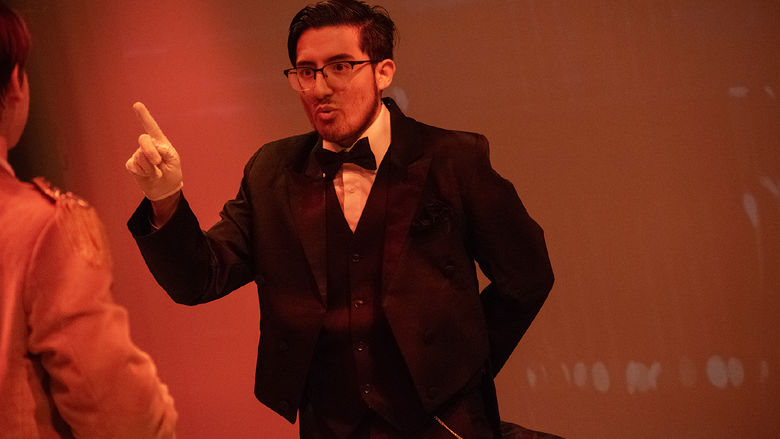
(644, 136)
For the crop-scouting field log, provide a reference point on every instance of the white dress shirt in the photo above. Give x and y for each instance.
(352, 182)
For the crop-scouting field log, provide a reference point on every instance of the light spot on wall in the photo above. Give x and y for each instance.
(738, 91)
(641, 378)
(717, 372)
(769, 92)
(580, 375)
(736, 372)
(653, 374)
(566, 373)
(600, 376)
(721, 372)
(688, 374)
(763, 367)
(545, 375)
(770, 185)
(751, 208)
(531, 377)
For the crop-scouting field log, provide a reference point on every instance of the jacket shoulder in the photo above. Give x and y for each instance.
(457, 145)
(457, 136)
(291, 146)
(77, 221)
(283, 153)
(55, 196)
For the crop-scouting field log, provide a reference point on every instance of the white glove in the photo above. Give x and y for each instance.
(155, 164)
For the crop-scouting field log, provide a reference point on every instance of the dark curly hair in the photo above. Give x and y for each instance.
(377, 30)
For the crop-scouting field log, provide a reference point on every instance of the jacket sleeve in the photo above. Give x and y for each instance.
(194, 266)
(510, 249)
(102, 384)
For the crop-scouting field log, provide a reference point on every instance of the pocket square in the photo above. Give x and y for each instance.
(432, 214)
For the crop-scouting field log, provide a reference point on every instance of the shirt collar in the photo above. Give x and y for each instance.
(378, 134)
(7, 166)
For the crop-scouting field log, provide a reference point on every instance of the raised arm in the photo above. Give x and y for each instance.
(156, 167)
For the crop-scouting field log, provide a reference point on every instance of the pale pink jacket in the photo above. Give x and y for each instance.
(67, 365)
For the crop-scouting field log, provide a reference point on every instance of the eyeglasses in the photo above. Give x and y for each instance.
(336, 75)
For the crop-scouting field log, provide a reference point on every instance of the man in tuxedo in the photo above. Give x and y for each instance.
(362, 237)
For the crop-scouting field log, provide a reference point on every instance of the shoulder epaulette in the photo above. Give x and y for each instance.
(56, 195)
(79, 222)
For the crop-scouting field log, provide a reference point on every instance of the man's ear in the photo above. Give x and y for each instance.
(15, 87)
(385, 70)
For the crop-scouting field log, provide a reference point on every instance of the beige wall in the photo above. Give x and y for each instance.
(642, 135)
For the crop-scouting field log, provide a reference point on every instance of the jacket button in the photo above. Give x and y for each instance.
(432, 392)
(428, 337)
(282, 346)
(284, 406)
(356, 257)
(361, 346)
(357, 303)
(366, 389)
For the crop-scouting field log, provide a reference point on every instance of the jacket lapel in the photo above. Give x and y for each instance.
(307, 202)
(408, 172)
(409, 167)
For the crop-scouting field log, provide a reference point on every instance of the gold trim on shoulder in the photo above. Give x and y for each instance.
(80, 223)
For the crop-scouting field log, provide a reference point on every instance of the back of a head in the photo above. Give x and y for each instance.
(14, 46)
(377, 30)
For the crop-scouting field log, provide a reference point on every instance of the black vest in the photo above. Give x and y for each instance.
(357, 367)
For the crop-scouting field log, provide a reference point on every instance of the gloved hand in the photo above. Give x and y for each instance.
(155, 164)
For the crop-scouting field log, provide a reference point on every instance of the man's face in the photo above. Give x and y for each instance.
(340, 115)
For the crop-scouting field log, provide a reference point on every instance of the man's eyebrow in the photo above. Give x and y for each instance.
(334, 58)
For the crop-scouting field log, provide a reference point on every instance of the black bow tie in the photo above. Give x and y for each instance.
(360, 154)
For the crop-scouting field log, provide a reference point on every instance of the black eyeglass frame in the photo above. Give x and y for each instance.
(322, 69)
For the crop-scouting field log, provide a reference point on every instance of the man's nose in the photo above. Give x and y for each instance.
(321, 87)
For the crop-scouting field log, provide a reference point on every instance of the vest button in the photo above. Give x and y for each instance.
(357, 303)
(449, 270)
(356, 257)
(432, 392)
(284, 406)
(428, 337)
(366, 389)
(361, 346)
(281, 346)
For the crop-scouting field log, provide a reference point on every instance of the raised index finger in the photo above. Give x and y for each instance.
(150, 125)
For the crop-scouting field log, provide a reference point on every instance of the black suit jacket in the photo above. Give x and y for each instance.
(447, 208)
